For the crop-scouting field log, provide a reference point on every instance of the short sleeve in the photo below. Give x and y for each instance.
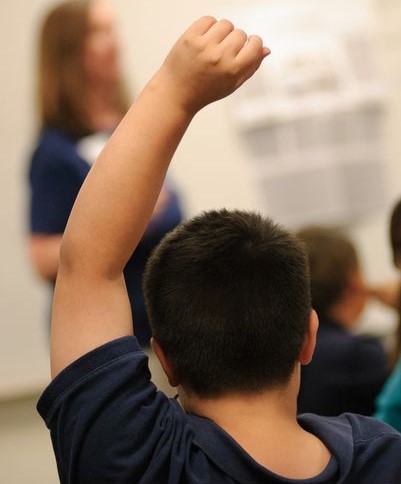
(106, 418)
(56, 175)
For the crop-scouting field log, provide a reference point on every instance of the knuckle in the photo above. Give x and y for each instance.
(233, 71)
(208, 19)
(241, 34)
(214, 58)
(227, 24)
(256, 39)
(194, 43)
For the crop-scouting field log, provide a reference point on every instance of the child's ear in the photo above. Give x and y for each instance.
(309, 344)
(165, 363)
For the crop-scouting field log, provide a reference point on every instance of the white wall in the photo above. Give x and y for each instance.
(210, 166)
(23, 340)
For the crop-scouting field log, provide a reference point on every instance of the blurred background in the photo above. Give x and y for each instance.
(314, 137)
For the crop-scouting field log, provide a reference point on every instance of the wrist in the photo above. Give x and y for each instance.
(179, 98)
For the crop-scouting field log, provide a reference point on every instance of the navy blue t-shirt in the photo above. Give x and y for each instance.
(109, 424)
(57, 170)
(345, 375)
(56, 174)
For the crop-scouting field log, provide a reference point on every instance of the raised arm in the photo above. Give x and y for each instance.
(208, 62)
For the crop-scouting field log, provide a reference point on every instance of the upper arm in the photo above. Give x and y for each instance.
(122, 420)
(81, 301)
(88, 311)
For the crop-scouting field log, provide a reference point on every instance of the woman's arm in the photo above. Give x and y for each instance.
(44, 251)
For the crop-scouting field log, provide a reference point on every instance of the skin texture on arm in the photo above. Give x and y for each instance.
(91, 307)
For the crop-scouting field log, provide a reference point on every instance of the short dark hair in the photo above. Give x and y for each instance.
(395, 233)
(229, 302)
(332, 258)
(395, 241)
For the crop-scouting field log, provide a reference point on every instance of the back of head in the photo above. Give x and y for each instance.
(332, 259)
(228, 299)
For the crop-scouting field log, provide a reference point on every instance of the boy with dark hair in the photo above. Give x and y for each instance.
(237, 271)
(348, 370)
(228, 294)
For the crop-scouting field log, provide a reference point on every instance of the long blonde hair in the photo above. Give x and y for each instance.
(60, 70)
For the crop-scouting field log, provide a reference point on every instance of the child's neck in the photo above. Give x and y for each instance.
(265, 426)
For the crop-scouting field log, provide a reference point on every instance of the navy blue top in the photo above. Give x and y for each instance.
(346, 373)
(56, 174)
(109, 424)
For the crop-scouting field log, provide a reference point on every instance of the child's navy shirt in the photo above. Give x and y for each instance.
(109, 424)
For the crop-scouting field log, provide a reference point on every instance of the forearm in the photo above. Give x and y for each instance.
(388, 294)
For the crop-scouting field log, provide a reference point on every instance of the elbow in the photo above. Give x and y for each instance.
(44, 255)
(45, 273)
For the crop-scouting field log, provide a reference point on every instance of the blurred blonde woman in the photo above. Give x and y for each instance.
(81, 99)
